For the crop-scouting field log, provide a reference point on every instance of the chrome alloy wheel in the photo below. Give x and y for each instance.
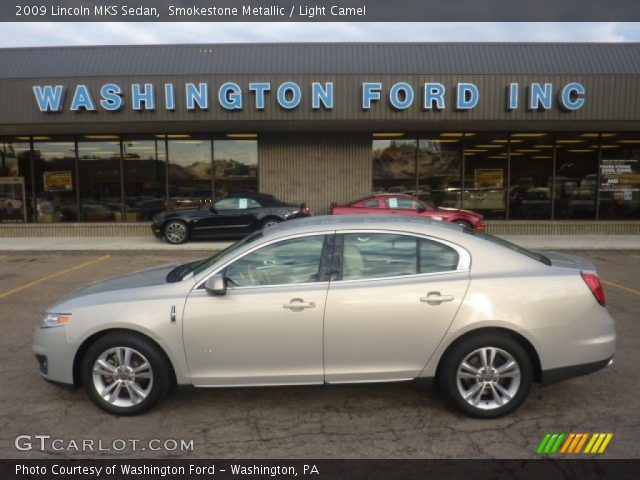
(488, 378)
(175, 232)
(122, 376)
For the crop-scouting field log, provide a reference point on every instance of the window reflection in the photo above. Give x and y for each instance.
(55, 179)
(99, 174)
(531, 174)
(485, 162)
(439, 163)
(620, 177)
(394, 166)
(236, 167)
(190, 172)
(144, 178)
(15, 181)
(576, 176)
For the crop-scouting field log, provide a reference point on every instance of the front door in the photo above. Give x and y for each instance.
(395, 300)
(267, 329)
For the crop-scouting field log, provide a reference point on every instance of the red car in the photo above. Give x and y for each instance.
(400, 204)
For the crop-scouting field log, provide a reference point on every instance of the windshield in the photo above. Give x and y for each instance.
(207, 262)
(511, 246)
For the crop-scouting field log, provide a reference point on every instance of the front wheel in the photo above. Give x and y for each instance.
(463, 223)
(176, 232)
(487, 376)
(125, 374)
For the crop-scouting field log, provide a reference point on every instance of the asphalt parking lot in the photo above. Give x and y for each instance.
(365, 421)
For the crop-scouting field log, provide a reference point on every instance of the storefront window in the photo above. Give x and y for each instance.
(236, 167)
(531, 176)
(485, 163)
(54, 165)
(439, 163)
(100, 177)
(620, 177)
(576, 176)
(190, 171)
(394, 166)
(144, 163)
(15, 180)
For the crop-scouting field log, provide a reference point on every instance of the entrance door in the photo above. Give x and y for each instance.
(267, 329)
(396, 298)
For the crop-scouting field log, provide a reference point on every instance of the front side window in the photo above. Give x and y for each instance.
(377, 255)
(287, 262)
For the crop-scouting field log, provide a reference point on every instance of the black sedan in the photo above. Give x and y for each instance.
(230, 217)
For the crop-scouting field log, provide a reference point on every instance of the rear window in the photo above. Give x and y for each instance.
(506, 244)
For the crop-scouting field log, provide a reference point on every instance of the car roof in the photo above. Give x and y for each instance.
(355, 222)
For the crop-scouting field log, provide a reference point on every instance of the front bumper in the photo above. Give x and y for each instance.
(156, 230)
(55, 355)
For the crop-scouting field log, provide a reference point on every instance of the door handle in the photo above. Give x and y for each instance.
(434, 298)
(298, 304)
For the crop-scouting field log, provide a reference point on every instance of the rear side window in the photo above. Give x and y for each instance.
(373, 203)
(377, 255)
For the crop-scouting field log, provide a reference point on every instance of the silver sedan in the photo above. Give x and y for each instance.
(330, 300)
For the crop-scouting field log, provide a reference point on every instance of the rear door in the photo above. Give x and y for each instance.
(393, 299)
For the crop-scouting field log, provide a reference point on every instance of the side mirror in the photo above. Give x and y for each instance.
(422, 207)
(212, 209)
(216, 285)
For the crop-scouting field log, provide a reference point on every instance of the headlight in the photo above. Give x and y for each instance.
(55, 320)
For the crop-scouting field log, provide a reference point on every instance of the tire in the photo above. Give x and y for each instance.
(463, 223)
(270, 222)
(136, 392)
(489, 401)
(176, 232)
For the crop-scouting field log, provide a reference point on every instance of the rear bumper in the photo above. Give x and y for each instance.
(563, 373)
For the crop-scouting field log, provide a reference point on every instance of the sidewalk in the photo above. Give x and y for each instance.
(541, 242)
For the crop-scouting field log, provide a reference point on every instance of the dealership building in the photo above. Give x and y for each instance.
(539, 138)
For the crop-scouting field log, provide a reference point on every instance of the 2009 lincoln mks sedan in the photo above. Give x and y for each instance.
(337, 300)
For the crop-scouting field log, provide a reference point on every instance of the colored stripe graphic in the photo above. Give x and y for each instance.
(550, 443)
(573, 443)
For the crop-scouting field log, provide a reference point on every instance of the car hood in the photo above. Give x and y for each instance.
(142, 278)
(566, 260)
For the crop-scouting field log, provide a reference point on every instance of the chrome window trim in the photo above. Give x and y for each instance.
(464, 258)
(200, 284)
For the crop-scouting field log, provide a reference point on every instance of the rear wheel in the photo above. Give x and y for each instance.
(487, 376)
(270, 222)
(125, 374)
(176, 232)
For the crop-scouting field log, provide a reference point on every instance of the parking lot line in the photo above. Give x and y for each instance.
(3, 256)
(636, 256)
(53, 275)
(628, 289)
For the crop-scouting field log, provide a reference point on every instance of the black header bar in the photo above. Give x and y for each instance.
(321, 11)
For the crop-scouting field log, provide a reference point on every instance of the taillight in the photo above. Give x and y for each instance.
(480, 227)
(593, 282)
